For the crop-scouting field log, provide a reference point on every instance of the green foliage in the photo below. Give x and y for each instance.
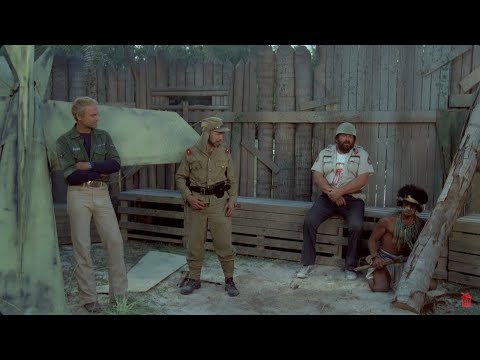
(115, 55)
(207, 52)
(125, 305)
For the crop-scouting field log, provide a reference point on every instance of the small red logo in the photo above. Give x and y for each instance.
(466, 300)
(189, 152)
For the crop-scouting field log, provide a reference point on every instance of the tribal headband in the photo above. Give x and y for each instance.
(410, 199)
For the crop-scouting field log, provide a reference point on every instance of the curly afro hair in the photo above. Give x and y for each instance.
(415, 192)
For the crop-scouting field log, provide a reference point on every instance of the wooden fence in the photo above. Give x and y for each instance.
(283, 108)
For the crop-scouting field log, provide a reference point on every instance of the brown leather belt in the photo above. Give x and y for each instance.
(208, 190)
(93, 183)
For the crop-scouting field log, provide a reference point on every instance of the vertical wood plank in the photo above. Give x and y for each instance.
(409, 51)
(228, 74)
(76, 83)
(361, 71)
(60, 77)
(208, 74)
(435, 85)
(376, 77)
(368, 102)
(121, 89)
(284, 133)
(161, 81)
(426, 79)
(129, 87)
(384, 73)
(401, 77)
(330, 74)
(467, 66)
(456, 73)
(390, 165)
(199, 73)
(430, 141)
(320, 78)
(337, 75)
(417, 78)
(303, 132)
(112, 91)
(392, 77)
(265, 77)
(227, 78)
(381, 165)
(252, 107)
(353, 78)
(345, 65)
(170, 168)
(101, 85)
(190, 76)
(237, 125)
(444, 80)
(142, 103)
(244, 154)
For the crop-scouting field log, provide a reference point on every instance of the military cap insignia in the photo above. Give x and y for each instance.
(189, 152)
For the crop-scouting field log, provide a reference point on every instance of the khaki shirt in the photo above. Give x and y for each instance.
(205, 169)
(70, 150)
(358, 162)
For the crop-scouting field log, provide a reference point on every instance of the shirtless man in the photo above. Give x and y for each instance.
(396, 234)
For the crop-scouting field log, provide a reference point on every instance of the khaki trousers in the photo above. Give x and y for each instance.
(213, 217)
(82, 204)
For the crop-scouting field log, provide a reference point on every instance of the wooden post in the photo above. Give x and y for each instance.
(419, 269)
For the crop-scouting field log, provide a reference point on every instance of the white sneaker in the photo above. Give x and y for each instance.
(350, 275)
(304, 271)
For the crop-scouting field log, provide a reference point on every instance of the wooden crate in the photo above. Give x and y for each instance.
(260, 227)
(464, 251)
(63, 225)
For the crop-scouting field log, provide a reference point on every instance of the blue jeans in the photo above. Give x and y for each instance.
(321, 210)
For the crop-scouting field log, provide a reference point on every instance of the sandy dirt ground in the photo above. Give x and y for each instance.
(267, 287)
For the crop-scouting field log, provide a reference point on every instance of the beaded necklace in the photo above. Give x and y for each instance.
(406, 234)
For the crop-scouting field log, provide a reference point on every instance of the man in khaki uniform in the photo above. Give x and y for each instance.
(340, 171)
(206, 180)
(87, 155)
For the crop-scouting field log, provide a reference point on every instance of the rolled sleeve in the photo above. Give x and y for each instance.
(365, 165)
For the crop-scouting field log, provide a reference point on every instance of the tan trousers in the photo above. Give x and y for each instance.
(82, 204)
(213, 217)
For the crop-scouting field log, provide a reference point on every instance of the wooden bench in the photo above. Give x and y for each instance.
(464, 251)
(261, 227)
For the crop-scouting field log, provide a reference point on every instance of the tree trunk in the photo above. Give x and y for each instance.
(420, 266)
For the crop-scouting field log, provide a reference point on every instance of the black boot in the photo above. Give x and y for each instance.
(189, 286)
(230, 287)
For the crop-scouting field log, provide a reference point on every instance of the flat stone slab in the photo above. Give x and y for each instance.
(150, 270)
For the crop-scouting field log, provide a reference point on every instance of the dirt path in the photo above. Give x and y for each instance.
(265, 288)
